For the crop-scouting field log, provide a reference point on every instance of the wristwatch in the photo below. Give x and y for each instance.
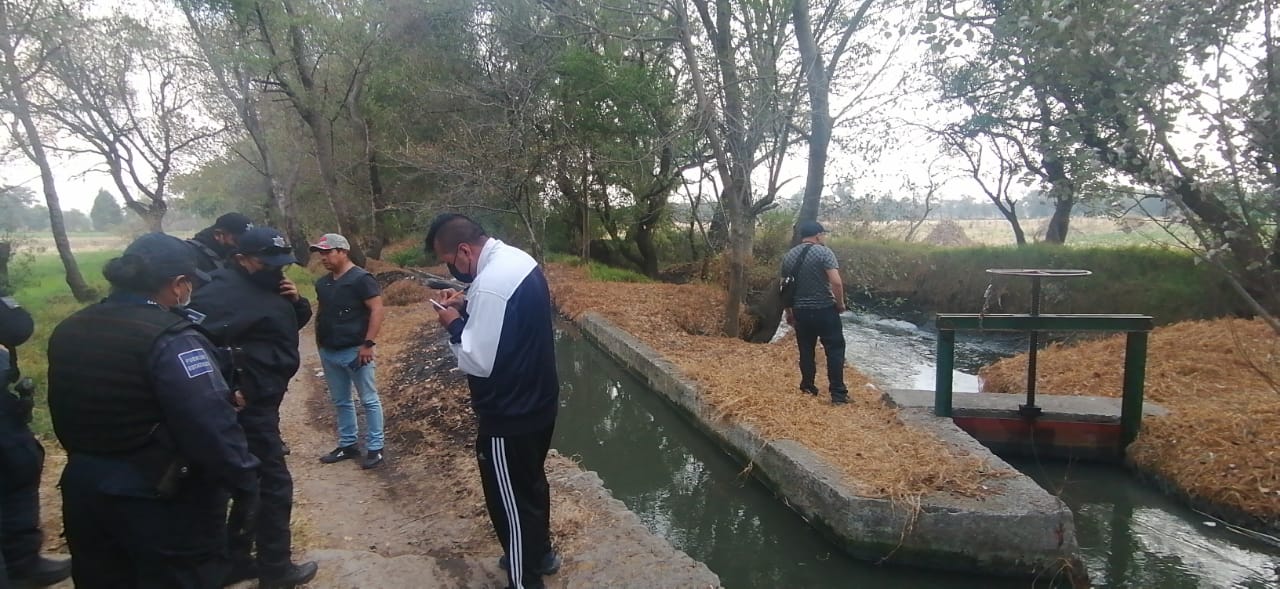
(369, 343)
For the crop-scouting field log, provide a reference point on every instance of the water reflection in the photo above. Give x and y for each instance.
(1134, 537)
(686, 489)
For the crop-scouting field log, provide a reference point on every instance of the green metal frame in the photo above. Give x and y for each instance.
(1135, 357)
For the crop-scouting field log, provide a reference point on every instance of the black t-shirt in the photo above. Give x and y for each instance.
(344, 318)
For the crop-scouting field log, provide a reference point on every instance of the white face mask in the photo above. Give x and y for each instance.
(182, 303)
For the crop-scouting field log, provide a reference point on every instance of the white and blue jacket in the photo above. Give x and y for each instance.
(505, 342)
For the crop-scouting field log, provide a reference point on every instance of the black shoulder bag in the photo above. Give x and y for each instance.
(787, 286)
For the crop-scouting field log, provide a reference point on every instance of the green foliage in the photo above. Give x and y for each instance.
(1164, 283)
(603, 273)
(76, 221)
(563, 258)
(409, 257)
(44, 293)
(106, 213)
(773, 235)
(20, 211)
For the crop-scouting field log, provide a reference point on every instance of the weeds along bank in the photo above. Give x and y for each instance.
(1164, 283)
(1219, 446)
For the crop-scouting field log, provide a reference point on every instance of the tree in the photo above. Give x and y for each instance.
(223, 37)
(830, 55)
(106, 213)
(739, 99)
(121, 88)
(15, 201)
(77, 221)
(26, 30)
(1179, 98)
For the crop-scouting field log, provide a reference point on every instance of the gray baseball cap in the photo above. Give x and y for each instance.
(331, 241)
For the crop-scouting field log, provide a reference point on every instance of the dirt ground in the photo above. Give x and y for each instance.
(419, 521)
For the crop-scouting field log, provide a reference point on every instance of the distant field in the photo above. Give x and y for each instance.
(42, 243)
(1084, 232)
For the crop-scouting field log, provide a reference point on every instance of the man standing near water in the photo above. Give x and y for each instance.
(502, 335)
(815, 310)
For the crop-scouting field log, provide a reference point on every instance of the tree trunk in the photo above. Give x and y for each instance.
(1060, 222)
(154, 220)
(819, 115)
(35, 149)
(6, 254)
(643, 238)
(1011, 215)
(741, 234)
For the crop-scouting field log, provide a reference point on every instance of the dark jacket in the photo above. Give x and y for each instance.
(506, 343)
(261, 324)
(128, 383)
(210, 255)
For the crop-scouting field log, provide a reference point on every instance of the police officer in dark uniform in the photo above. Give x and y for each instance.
(21, 460)
(253, 310)
(146, 417)
(214, 244)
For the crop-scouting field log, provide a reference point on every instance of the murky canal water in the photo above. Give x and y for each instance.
(686, 489)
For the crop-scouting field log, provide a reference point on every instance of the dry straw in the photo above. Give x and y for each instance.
(1221, 441)
(757, 384)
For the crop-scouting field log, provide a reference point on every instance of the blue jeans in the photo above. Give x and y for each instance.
(340, 376)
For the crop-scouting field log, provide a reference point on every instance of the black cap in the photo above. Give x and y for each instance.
(233, 223)
(15, 322)
(267, 245)
(809, 229)
(166, 256)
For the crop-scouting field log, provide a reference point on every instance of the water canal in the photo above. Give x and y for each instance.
(686, 489)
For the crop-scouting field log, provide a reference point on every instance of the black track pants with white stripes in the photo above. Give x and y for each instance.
(519, 500)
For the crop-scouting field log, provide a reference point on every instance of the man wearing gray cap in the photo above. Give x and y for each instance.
(347, 324)
(813, 299)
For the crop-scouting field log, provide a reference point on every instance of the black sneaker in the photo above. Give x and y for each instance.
(296, 574)
(43, 573)
(840, 400)
(372, 459)
(550, 564)
(339, 454)
(809, 390)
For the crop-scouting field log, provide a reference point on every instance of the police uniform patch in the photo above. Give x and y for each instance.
(10, 302)
(196, 363)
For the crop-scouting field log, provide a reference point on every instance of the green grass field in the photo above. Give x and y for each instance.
(43, 290)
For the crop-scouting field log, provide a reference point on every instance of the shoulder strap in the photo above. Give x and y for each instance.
(800, 261)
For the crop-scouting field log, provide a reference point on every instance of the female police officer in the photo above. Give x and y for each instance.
(138, 401)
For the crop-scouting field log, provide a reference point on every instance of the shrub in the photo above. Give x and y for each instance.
(605, 273)
(1164, 283)
(409, 257)
(405, 292)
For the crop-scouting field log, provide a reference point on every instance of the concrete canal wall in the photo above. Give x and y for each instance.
(1018, 530)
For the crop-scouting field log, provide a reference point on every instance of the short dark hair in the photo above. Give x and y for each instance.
(451, 230)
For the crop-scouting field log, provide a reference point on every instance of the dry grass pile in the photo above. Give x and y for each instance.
(1220, 381)
(756, 384)
(431, 424)
(406, 292)
(948, 233)
(379, 266)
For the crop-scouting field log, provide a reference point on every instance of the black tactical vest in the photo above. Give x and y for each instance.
(100, 394)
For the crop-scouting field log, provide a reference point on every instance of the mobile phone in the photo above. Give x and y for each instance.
(436, 304)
